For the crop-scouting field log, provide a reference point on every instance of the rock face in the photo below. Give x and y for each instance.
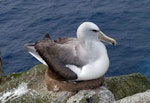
(39, 94)
(121, 86)
(127, 85)
(137, 98)
(100, 95)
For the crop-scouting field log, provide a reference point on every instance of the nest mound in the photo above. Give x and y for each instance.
(54, 84)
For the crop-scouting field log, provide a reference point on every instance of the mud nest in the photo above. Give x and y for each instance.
(54, 84)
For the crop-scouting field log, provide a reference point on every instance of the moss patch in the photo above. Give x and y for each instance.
(34, 76)
(127, 85)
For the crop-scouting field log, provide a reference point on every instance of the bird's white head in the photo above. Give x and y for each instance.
(90, 31)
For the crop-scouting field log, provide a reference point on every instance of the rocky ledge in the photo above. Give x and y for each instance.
(133, 88)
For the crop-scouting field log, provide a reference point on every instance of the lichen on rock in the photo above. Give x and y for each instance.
(127, 85)
(99, 95)
(143, 97)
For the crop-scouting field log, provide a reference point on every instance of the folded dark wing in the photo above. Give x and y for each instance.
(58, 53)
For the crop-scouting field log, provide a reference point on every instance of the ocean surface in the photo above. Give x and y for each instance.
(128, 21)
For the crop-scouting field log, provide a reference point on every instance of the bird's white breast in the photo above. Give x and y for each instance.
(96, 61)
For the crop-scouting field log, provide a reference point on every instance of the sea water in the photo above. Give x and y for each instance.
(128, 21)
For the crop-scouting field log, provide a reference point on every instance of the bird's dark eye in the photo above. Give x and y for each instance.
(94, 30)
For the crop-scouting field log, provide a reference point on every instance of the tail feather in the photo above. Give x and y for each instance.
(31, 49)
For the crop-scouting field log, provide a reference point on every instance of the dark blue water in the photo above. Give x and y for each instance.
(128, 21)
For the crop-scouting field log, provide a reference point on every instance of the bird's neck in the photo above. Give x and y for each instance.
(89, 49)
(89, 45)
(87, 42)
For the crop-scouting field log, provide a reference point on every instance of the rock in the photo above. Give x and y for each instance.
(101, 95)
(34, 77)
(120, 86)
(137, 98)
(127, 85)
(39, 94)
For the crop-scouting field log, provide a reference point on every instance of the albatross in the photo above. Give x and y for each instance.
(75, 59)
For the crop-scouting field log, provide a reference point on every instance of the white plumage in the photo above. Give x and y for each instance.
(85, 55)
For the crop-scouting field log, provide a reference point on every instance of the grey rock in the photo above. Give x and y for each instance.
(127, 85)
(143, 97)
(101, 95)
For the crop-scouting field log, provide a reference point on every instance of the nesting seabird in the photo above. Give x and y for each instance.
(75, 59)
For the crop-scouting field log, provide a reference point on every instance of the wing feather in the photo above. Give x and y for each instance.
(57, 54)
